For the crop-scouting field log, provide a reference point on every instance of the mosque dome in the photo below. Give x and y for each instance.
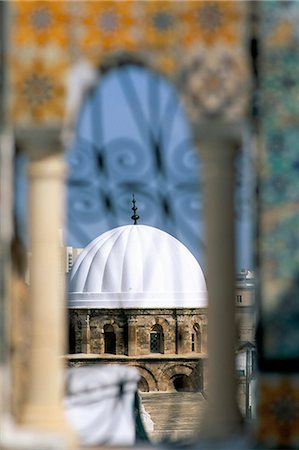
(136, 266)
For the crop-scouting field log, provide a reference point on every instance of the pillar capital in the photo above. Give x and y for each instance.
(132, 336)
(39, 142)
(132, 320)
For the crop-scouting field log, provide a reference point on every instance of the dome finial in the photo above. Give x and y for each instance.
(135, 216)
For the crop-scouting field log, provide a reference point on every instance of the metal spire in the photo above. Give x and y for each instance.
(135, 216)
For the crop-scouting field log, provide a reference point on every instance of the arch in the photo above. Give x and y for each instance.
(143, 385)
(182, 383)
(148, 377)
(178, 369)
(170, 373)
(157, 328)
(109, 339)
(160, 321)
(157, 339)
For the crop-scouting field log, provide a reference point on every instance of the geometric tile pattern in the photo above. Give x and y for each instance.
(280, 180)
(278, 412)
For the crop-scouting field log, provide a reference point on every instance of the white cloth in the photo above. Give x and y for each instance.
(100, 404)
(146, 420)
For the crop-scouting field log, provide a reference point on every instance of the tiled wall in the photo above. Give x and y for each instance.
(199, 45)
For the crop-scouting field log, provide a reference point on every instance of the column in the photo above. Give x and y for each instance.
(181, 336)
(86, 335)
(217, 151)
(44, 408)
(6, 231)
(131, 337)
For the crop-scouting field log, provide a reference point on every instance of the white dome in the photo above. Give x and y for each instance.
(136, 266)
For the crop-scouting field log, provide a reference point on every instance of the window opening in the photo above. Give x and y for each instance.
(72, 337)
(109, 340)
(181, 383)
(197, 338)
(193, 342)
(239, 298)
(157, 340)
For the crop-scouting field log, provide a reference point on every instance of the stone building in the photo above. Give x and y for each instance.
(138, 296)
(245, 306)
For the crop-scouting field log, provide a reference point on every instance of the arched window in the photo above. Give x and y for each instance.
(196, 339)
(157, 339)
(109, 339)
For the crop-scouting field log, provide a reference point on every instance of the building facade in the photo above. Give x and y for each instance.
(167, 345)
(245, 306)
(159, 327)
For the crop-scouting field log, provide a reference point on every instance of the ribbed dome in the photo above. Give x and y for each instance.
(136, 266)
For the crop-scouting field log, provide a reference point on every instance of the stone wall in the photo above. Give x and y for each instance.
(181, 365)
(132, 330)
(160, 373)
(246, 324)
(245, 313)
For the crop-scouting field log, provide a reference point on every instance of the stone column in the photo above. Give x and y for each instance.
(131, 337)
(204, 340)
(6, 232)
(86, 335)
(44, 408)
(217, 149)
(181, 337)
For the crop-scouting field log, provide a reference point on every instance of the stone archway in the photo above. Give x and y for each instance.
(182, 383)
(143, 385)
(178, 378)
(148, 377)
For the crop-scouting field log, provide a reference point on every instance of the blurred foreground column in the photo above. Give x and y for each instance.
(217, 150)
(44, 408)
